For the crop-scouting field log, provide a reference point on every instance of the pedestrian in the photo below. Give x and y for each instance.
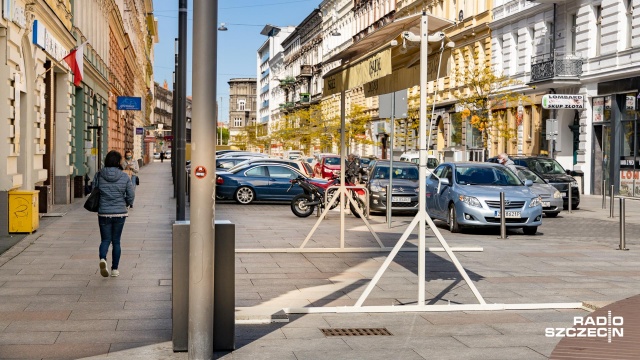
(130, 167)
(504, 160)
(161, 156)
(116, 196)
(353, 169)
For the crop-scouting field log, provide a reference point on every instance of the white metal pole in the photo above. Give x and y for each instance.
(343, 168)
(424, 48)
(391, 145)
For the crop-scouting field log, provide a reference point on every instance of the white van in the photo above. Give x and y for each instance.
(414, 157)
(293, 154)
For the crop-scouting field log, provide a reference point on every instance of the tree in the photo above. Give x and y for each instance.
(485, 97)
(356, 125)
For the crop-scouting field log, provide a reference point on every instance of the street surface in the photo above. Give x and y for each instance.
(55, 304)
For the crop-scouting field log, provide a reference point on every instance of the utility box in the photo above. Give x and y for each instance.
(23, 211)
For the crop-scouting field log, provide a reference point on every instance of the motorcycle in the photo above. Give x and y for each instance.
(305, 204)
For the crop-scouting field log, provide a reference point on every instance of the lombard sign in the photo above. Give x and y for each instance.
(559, 101)
(45, 40)
(129, 103)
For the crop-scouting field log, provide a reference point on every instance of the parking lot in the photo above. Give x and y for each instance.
(572, 258)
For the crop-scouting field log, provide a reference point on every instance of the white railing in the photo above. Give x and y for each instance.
(510, 8)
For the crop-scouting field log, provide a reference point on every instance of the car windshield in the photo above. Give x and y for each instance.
(525, 174)
(365, 161)
(545, 166)
(332, 161)
(407, 173)
(485, 175)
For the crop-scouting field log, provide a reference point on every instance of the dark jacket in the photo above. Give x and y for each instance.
(116, 191)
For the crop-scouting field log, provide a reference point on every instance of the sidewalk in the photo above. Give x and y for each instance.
(55, 305)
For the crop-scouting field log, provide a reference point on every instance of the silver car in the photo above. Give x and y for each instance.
(550, 196)
(468, 194)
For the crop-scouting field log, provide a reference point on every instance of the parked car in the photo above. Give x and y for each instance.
(414, 157)
(258, 181)
(228, 163)
(156, 155)
(293, 154)
(241, 154)
(404, 196)
(327, 167)
(299, 165)
(167, 154)
(553, 173)
(468, 194)
(550, 196)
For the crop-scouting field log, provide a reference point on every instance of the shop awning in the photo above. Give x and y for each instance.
(370, 59)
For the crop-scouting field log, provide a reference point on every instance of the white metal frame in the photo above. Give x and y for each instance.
(421, 220)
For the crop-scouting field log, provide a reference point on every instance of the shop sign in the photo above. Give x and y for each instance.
(19, 17)
(598, 109)
(45, 40)
(555, 101)
(6, 10)
(139, 131)
(627, 179)
(630, 103)
(129, 103)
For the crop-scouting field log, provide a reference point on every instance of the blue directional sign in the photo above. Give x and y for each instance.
(129, 103)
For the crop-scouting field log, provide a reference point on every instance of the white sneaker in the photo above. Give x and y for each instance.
(103, 268)
(115, 273)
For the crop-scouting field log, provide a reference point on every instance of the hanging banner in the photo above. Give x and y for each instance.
(129, 103)
(556, 101)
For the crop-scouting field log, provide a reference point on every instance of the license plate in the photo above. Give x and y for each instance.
(508, 214)
(401, 199)
(546, 203)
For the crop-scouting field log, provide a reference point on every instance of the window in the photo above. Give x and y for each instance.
(237, 122)
(281, 172)
(598, 13)
(573, 42)
(241, 104)
(629, 23)
(513, 61)
(258, 171)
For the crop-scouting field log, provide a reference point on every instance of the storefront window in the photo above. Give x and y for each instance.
(629, 145)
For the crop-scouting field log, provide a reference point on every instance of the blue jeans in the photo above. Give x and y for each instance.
(110, 233)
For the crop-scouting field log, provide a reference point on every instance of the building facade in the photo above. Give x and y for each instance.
(243, 111)
(163, 116)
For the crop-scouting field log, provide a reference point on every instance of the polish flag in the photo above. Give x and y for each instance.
(75, 59)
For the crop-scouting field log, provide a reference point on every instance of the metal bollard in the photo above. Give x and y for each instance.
(570, 196)
(604, 194)
(389, 205)
(612, 209)
(503, 221)
(623, 239)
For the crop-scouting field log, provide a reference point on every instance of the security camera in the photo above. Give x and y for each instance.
(435, 37)
(408, 35)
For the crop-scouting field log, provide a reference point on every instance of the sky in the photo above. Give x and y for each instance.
(237, 47)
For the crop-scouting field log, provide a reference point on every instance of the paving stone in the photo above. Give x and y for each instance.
(379, 354)
(144, 324)
(34, 315)
(61, 325)
(52, 351)
(34, 337)
(120, 314)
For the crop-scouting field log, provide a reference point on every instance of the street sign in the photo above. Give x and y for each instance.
(139, 131)
(560, 101)
(129, 103)
(552, 129)
(401, 106)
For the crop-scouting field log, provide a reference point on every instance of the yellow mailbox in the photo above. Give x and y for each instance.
(23, 211)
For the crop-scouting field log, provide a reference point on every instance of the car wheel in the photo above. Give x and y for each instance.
(551, 215)
(453, 222)
(530, 230)
(245, 195)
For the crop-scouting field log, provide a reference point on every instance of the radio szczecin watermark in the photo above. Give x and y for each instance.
(591, 327)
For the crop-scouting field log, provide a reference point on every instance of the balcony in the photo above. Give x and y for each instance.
(558, 69)
(305, 98)
(306, 70)
(287, 82)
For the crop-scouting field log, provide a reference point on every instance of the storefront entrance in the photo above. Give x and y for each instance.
(601, 163)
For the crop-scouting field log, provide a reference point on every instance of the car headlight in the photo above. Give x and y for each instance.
(574, 183)
(470, 200)
(336, 172)
(537, 201)
(557, 195)
(378, 188)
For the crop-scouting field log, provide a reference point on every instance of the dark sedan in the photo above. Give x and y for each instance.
(258, 182)
(404, 196)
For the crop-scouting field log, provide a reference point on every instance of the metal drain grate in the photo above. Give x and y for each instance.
(357, 332)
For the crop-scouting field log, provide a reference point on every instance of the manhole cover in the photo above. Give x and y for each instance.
(356, 332)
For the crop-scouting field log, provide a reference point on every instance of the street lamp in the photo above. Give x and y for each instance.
(222, 27)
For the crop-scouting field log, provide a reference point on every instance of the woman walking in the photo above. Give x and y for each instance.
(116, 196)
(130, 167)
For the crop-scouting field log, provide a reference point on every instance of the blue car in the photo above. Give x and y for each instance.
(258, 182)
(468, 194)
